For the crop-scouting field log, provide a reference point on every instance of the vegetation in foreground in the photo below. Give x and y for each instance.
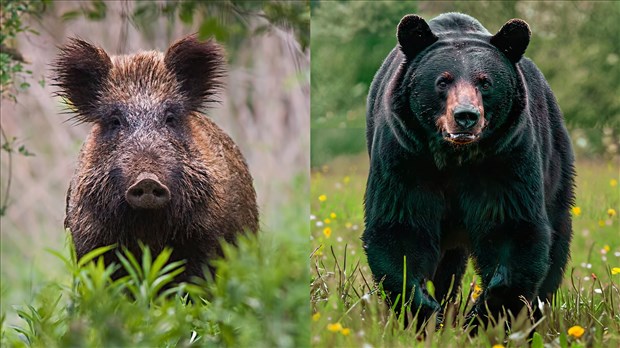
(348, 308)
(258, 299)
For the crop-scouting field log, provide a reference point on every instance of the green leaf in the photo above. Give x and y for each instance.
(24, 152)
(67, 261)
(211, 27)
(146, 260)
(165, 279)
(186, 12)
(98, 12)
(430, 287)
(94, 254)
(537, 341)
(169, 267)
(159, 262)
(70, 15)
(563, 340)
(130, 265)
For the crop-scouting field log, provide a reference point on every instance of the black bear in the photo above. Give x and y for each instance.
(469, 156)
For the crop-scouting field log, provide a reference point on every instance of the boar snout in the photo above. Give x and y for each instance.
(147, 192)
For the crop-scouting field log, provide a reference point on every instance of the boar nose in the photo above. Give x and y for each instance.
(147, 192)
(466, 116)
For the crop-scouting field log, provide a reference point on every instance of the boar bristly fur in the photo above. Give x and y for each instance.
(153, 168)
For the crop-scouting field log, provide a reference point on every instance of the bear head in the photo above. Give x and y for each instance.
(458, 84)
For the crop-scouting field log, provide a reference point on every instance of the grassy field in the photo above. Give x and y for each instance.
(348, 310)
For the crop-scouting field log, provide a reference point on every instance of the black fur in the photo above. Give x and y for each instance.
(503, 199)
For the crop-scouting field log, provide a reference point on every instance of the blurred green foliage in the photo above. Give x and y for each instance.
(12, 13)
(575, 44)
(13, 75)
(259, 298)
(349, 42)
(230, 21)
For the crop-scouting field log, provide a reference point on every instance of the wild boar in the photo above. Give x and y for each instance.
(154, 168)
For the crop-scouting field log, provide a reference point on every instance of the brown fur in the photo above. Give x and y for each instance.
(462, 93)
(145, 111)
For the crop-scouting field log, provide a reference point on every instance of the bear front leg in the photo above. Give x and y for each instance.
(386, 248)
(559, 255)
(512, 260)
(449, 274)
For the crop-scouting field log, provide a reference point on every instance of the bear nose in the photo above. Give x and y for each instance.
(466, 116)
(147, 192)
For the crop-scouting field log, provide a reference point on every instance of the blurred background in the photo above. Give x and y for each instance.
(576, 44)
(264, 108)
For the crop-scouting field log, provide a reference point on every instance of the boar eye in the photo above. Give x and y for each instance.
(115, 119)
(170, 118)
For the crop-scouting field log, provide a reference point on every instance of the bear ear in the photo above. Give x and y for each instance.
(80, 71)
(512, 39)
(414, 35)
(198, 67)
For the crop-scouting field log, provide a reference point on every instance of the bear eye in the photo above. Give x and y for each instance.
(484, 83)
(442, 83)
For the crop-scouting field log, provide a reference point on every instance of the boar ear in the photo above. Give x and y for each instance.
(198, 67)
(80, 71)
(414, 35)
(512, 39)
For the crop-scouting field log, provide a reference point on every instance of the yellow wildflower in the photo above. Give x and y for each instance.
(477, 292)
(576, 211)
(613, 182)
(334, 327)
(319, 251)
(601, 223)
(611, 212)
(606, 248)
(332, 215)
(346, 179)
(322, 198)
(327, 231)
(615, 270)
(327, 221)
(345, 331)
(498, 346)
(576, 331)
(316, 316)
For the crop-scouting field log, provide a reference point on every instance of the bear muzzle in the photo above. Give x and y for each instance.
(463, 121)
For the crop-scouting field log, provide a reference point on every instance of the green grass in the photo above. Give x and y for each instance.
(259, 297)
(348, 308)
